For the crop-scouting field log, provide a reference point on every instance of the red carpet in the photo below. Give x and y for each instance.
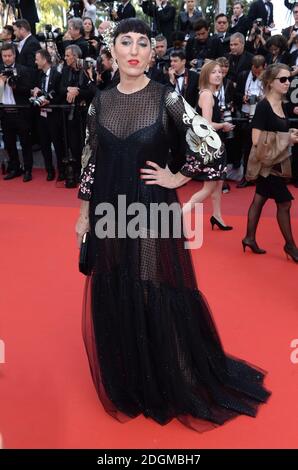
(47, 398)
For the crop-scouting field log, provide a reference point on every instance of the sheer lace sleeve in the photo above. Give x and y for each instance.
(203, 145)
(89, 153)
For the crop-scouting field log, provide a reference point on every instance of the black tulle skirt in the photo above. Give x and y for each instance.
(151, 341)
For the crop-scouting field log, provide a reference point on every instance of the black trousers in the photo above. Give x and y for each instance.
(17, 123)
(76, 134)
(50, 131)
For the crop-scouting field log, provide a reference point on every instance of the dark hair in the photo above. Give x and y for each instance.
(200, 24)
(278, 41)
(221, 15)
(9, 28)
(270, 73)
(92, 32)
(238, 3)
(132, 25)
(178, 53)
(107, 53)
(8, 47)
(23, 24)
(45, 55)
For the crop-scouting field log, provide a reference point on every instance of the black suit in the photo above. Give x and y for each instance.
(190, 86)
(220, 45)
(242, 26)
(164, 19)
(28, 11)
(289, 5)
(125, 12)
(239, 64)
(27, 55)
(81, 42)
(50, 125)
(17, 122)
(258, 10)
(288, 31)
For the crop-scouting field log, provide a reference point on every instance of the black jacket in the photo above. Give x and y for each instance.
(242, 26)
(81, 42)
(27, 55)
(258, 10)
(127, 12)
(186, 23)
(190, 87)
(23, 84)
(239, 64)
(28, 11)
(78, 79)
(164, 19)
(53, 85)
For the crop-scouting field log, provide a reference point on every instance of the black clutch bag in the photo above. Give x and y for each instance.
(84, 265)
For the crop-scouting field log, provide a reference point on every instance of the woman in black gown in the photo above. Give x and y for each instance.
(152, 345)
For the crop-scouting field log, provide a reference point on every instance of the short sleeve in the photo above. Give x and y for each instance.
(261, 116)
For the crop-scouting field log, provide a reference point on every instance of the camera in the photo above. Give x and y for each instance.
(48, 35)
(198, 64)
(86, 64)
(226, 115)
(252, 101)
(11, 74)
(39, 100)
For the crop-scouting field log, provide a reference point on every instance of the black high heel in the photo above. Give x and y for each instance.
(252, 244)
(291, 252)
(214, 221)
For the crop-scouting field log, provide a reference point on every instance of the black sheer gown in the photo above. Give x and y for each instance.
(152, 345)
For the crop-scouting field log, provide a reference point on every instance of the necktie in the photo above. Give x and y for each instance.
(178, 76)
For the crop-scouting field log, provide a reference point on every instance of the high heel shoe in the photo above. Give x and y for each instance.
(291, 252)
(252, 244)
(214, 221)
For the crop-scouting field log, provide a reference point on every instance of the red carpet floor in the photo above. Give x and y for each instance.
(47, 398)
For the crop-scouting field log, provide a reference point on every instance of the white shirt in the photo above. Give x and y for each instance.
(179, 83)
(252, 87)
(8, 97)
(90, 12)
(22, 42)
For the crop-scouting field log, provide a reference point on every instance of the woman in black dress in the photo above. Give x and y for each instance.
(152, 345)
(270, 115)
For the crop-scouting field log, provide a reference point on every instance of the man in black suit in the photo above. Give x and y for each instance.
(50, 119)
(261, 9)
(163, 16)
(290, 5)
(239, 59)
(16, 122)
(126, 10)
(75, 32)
(27, 45)
(239, 21)
(221, 38)
(184, 81)
(291, 32)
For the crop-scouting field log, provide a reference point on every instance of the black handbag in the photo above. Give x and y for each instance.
(84, 265)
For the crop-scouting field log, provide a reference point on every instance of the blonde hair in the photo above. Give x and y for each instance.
(270, 73)
(205, 74)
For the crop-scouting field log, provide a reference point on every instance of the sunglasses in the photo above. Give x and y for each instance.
(283, 79)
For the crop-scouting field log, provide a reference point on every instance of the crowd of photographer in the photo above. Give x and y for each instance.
(59, 73)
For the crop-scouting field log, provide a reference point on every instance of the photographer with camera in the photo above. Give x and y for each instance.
(256, 42)
(125, 10)
(107, 72)
(7, 35)
(16, 83)
(76, 34)
(77, 7)
(76, 89)
(201, 46)
(262, 9)
(94, 42)
(47, 92)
